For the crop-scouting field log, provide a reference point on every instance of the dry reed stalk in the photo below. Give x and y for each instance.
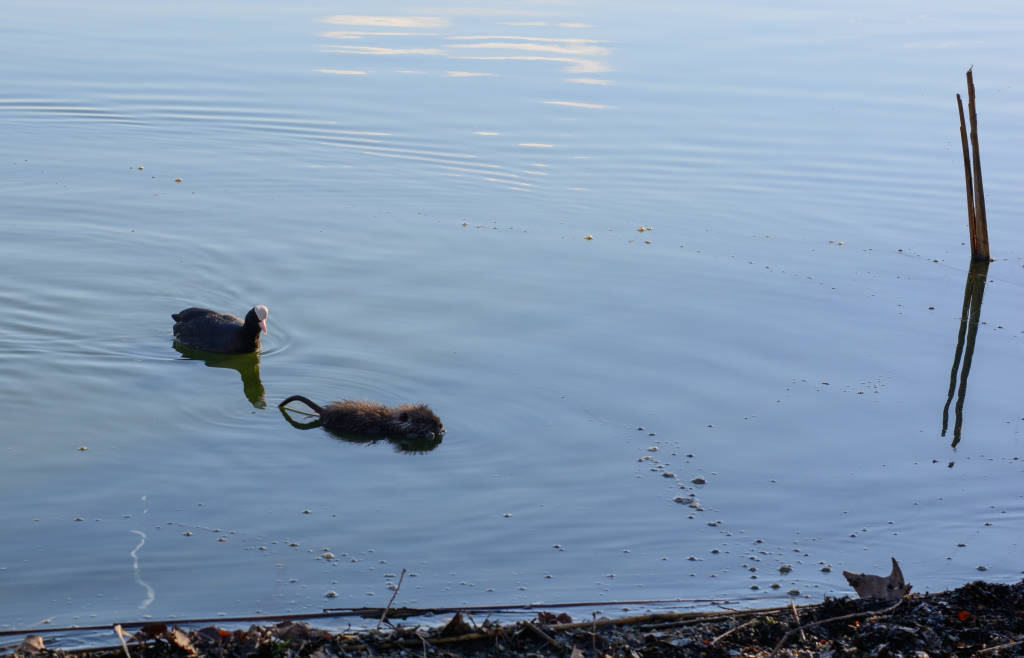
(982, 252)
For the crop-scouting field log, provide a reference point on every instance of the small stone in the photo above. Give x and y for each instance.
(699, 480)
(331, 594)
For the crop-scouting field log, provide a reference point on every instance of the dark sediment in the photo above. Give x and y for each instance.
(978, 617)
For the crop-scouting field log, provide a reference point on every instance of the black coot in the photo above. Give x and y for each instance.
(203, 329)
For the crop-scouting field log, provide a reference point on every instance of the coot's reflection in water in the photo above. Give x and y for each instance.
(247, 365)
(406, 445)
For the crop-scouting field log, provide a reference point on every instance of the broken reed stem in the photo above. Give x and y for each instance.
(982, 252)
(972, 224)
(393, 595)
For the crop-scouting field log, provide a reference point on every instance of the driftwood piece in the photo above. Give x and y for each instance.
(888, 588)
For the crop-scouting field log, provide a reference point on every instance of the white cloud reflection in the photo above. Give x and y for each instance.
(340, 72)
(378, 50)
(386, 21)
(575, 65)
(589, 106)
(586, 57)
(433, 45)
(358, 34)
(590, 81)
(559, 47)
(468, 74)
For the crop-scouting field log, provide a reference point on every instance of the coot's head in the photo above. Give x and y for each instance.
(258, 315)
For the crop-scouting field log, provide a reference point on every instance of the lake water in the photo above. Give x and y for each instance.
(443, 203)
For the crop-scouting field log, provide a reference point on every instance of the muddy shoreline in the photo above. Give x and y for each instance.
(979, 618)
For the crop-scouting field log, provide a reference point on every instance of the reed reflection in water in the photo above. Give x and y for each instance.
(970, 317)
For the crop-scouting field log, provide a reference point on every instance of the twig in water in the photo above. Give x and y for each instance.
(299, 411)
(393, 595)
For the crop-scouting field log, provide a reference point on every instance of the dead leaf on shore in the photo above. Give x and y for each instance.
(151, 630)
(180, 639)
(457, 626)
(888, 588)
(32, 644)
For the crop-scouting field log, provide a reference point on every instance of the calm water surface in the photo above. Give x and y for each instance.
(443, 203)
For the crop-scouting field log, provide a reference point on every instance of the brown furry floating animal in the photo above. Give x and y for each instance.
(410, 421)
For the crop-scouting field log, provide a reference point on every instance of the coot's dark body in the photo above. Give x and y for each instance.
(203, 329)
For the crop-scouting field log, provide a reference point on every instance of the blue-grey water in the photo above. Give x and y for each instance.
(736, 227)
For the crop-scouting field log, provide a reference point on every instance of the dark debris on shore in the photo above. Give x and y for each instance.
(980, 618)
